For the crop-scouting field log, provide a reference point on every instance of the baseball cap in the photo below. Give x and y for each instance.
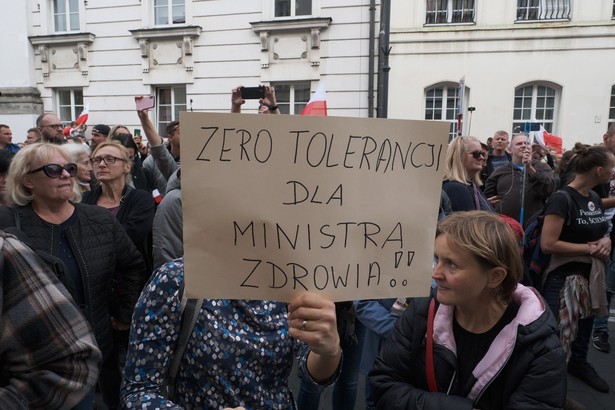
(101, 129)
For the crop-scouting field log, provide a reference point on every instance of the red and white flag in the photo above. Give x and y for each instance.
(318, 102)
(83, 117)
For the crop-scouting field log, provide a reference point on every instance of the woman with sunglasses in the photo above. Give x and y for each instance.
(91, 243)
(464, 161)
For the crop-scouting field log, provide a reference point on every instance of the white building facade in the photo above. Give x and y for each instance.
(546, 61)
(188, 53)
(523, 61)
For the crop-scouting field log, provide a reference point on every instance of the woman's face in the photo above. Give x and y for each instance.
(84, 168)
(461, 280)
(471, 164)
(46, 189)
(107, 172)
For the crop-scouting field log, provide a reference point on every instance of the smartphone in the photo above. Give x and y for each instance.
(252, 93)
(145, 102)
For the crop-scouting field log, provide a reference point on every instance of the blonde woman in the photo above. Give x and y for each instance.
(461, 182)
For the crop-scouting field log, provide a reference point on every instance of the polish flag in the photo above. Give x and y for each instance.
(157, 196)
(318, 102)
(83, 117)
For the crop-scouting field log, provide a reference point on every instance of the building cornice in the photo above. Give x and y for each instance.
(62, 39)
(166, 32)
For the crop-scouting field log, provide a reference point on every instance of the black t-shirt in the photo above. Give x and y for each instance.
(585, 221)
(472, 347)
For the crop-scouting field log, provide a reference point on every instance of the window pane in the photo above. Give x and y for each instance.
(59, 6)
(612, 105)
(164, 96)
(282, 8)
(179, 11)
(303, 7)
(179, 94)
(463, 11)
(161, 12)
(64, 97)
(59, 15)
(74, 21)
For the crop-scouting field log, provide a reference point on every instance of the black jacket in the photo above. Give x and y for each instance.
(102, 249)
(136, 215)
(529, 371)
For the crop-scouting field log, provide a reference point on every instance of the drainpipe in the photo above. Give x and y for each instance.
(383, 58)
(372, 58)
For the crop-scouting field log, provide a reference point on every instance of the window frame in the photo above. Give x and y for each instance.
(449, 12)
(73, 106)
(534, 109)
(174, 107)
(543, 10)
(292, 105)
(448, 105)
(612, 105)
(170, 6)
(66, 15)
(293, 8)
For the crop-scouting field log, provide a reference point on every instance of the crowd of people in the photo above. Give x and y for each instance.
(93, 283)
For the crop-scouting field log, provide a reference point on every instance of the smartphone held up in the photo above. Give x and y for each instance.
(253, 93)
(145, 102)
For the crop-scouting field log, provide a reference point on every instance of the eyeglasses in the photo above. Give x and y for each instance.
(109, 159)
(56, 170)
(54, 126)
(478, 154)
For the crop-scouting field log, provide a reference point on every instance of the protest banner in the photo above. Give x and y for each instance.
(275, 205)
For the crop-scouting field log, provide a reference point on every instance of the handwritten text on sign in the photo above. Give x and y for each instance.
(275, 205)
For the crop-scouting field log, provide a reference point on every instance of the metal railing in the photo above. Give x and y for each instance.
(538, 10)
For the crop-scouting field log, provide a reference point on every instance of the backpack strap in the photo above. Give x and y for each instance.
(430, 372)
(190, 309)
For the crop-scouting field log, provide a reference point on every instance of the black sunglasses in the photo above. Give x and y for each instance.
(55, 170)
(477, 154)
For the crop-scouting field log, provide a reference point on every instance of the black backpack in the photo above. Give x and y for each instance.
(536, 261)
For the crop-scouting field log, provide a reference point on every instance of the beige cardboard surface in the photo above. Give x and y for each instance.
(275, 205)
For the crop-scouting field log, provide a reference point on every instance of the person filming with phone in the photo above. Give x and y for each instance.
(164, 159)
(265, 94)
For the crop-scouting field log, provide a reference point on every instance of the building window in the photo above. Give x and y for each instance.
(534, 103)
(533, 10)
(449, 11)
(441, 104)
(612, 105)
(291, 8)
(613, 12)
(291, 98)
(171, 101)
(169, 12)
(69, 103)
(66, 15)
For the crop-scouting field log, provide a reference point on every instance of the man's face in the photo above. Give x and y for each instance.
(6, 136)
(97, 138)
(609, 142)
(31, 138)
(51, 129)
(173, 137)
(520, 145)
(500, 142)
(538, 153)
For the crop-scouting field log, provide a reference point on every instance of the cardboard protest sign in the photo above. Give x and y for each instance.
(275, 205)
